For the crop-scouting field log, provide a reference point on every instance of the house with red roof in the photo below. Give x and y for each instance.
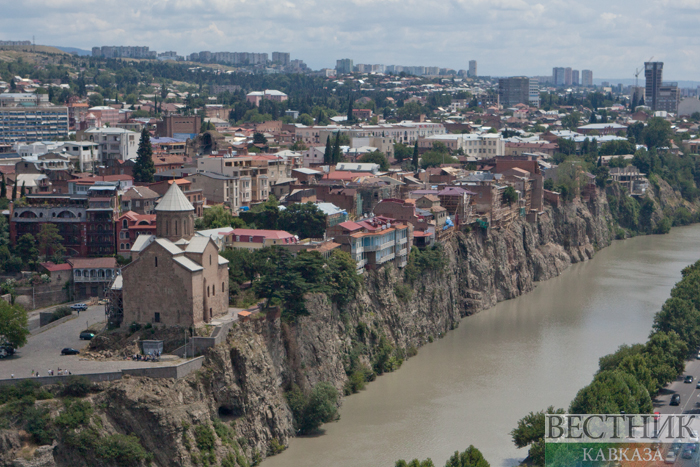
(129, 226)
(253, 239)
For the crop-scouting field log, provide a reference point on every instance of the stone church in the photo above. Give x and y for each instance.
(175, 278)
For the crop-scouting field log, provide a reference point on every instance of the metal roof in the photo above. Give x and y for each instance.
(174, 201)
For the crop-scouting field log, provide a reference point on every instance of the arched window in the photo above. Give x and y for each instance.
(207, 291)
(156, 261)
(209, 260)
(222, 287)
(125, 224)
(128, 246)
(213, 290)
(78, 273)
(121, 246)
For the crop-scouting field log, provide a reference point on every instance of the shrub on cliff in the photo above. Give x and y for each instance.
(423, 261)
(312, 410)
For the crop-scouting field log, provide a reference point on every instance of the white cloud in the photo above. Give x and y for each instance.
(506, 37)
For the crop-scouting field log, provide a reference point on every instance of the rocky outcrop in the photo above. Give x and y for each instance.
(242, 382)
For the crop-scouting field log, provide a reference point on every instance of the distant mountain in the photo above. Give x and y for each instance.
(73, 50)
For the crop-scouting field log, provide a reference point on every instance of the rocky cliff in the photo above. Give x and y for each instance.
(239, 393)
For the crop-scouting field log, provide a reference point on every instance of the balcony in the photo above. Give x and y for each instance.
(386, 258)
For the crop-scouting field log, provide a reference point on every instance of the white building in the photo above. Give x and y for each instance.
(114, 143)
(86, 154)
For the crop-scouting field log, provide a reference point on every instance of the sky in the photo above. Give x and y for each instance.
(506, 37)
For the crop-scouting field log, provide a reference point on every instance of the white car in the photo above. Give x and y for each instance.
(670, 458)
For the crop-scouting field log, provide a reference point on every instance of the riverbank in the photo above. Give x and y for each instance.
(243, 380)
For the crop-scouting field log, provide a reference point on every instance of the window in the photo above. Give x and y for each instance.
(207, 291)
(125, 224)
(156, 318)
(209, 260)
(213, 290)
(156, 261)
(222, 287)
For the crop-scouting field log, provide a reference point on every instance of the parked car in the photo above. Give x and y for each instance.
(87, 335)
(104, 301)
(688, 379)
(670, 458)
(676, 399)
(69, 351)
(79, 307)
(6, 350)
(687, 452)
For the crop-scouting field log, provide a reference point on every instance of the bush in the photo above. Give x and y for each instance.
(134, 327)
(311, 411)
(403, 292)
(75, 414)
(38, 424)
(23, 389)
(124, 450)
(60, 312)
(275, 447)
(77, 386)
(204, 437)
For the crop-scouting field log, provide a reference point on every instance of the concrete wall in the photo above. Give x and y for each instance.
(174, 372)
(42, 296)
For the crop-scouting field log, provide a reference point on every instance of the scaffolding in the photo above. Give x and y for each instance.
(114, 308)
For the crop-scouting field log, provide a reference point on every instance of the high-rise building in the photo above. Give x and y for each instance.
(472, 69)
(344, 66)
(26, 117)
(575, 78)
(668, 98)
(653, 72)
(282, 58)
(558, 76)
(518, 90)
(586, 78)
(567, 76)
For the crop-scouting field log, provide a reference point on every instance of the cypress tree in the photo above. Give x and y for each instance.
(143, 167)
(24, 190)
(328, 154)
(14, 191)
(351, 118)
(3, 188)
(336, 148)
(415, 155)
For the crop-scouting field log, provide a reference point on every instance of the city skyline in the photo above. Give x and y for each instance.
(506, 37)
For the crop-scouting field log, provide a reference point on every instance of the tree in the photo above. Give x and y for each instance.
(259, 138)
(681, 316)
(14, 191)
(436, 159)
(13, 324)
(666, 353)
(376, 157)
(612, 392)
(337, 156)
(143, 166)
(530, 432)
(566, 146)
(657, 133)
(311, 411)
(27, 250)
(401, 152)
(23, 191)
(328, 153)
(593, 118)
(471, 457)
(51, 242)
(218, 216)
(96, 99)
(305, 220)
(510, 196)
(351, 117)
(415, 156)
(3, 188)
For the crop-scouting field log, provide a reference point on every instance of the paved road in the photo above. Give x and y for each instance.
(43, 350)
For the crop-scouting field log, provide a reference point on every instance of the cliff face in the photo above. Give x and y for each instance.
(242, 381)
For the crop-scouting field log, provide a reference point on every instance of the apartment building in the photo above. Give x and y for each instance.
(114, 144)
(129, 226)
(404, 132)
(252, 173)
(482, 146)
(586, 78)
(86, 222)
(178, 126)
(217, 188)
(270, 94)
(374, 241)
(30, 117)
(518, 90)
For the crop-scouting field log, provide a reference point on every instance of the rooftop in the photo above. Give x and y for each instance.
(174, 201)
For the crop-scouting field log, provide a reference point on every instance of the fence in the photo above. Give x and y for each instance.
(172, 372)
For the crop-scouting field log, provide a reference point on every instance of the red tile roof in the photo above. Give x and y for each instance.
(51, 267)
(87, 263)
(275, 234)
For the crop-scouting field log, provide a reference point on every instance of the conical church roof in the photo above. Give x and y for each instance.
(174, 201)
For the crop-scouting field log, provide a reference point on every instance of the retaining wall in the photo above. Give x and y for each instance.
(173, 371)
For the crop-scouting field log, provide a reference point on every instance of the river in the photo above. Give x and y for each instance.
(472, 386)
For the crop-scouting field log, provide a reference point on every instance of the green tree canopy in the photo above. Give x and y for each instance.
(218, 216)
(13, 324)
(436, 159)
(610, 393)
(51, 242)
(376, 157)
(657, 133)
(27, 250)
(305, 220)
(401, 152)
(144, 169)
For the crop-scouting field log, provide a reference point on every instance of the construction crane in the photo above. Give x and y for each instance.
(638, 71)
